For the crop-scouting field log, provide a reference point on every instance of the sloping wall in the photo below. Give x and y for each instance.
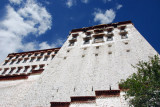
(84, 68)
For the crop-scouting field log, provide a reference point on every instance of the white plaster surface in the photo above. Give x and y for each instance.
(77, 75)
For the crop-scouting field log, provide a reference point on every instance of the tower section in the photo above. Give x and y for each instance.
(88, 67)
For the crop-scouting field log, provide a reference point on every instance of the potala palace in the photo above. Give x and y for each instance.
(84, 72)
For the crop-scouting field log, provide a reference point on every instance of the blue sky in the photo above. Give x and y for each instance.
(27, 25)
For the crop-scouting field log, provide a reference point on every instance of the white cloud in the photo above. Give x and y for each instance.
(30, 18)
(119, 6)
(45, 45)
(70, 3)
(36, 15)
(85, 1)
(104, 18)
(30, 46)
(15, 1)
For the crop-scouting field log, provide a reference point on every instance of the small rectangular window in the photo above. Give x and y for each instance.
(17, 56)
(5, 63)
(68, 50)
(12, 62)
(12, 69)
(74, 37)
(31, 59)
(109, 38)
(53, 56)
(5, 70)
(85, 48)
(18, 61)
(96, 31)
(55, 52)
(33, 68)
(41, 66)
(35, 54)
(29, 55)
(10, 58)
(98, 39)
(38, 59)
(124, 36)
(109, 52)
(23, 56)
(45, 58)
(86, 41)
(71, 44)
(109, 45)
(26, 68)
(25, 60)
(127, 50)
(48, 53)
(42, 54)
(88, 34)
(18, 70)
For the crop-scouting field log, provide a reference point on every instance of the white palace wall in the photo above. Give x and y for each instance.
(80, 71)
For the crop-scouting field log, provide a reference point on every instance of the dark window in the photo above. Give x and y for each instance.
(48, 53)
(41, 66)
(12, 69)
(10, 58)
(97, 47)
(109, 45)
(98, 39)
(71, 44)
(124, 36)
(127, 50)
(31, 59)
(18, 70)
(126, 43)
(85, 48)
(5, 62)
(109, 52)
(53, 56)
(109, 38)
(74, 37)
(29, 55)
(45, 58)
(38, 59)
(42, 54)
(55, 52)
(18, 61)
(98, 31)
(12, 62)
(26, 68)
(25, 60)
(5, 70)
(17, 56)
(68, 50)
(33, 68)
(86, 41)
(35, 54)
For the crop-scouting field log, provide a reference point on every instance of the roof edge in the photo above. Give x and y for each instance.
(101, 26)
